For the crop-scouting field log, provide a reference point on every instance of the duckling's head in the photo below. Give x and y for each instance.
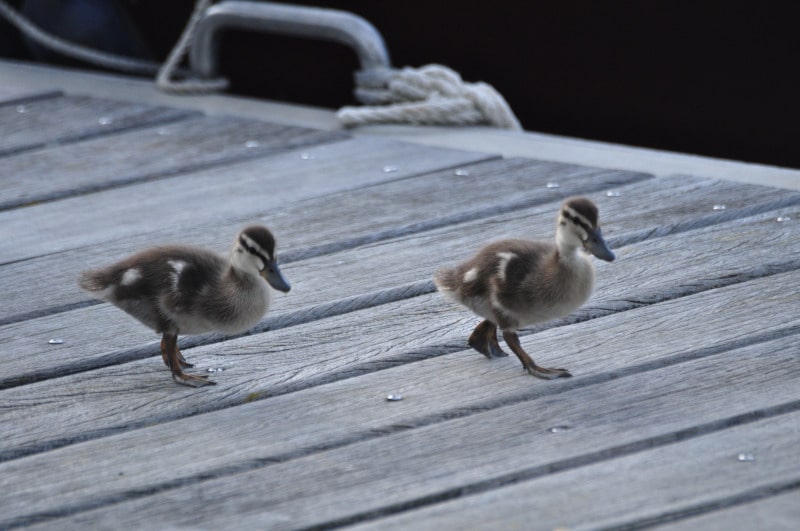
(578, 226)
(254, 252)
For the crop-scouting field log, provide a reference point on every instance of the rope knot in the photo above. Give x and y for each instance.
(431, 95)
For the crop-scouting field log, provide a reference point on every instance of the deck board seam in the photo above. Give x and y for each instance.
(88, 135)
(572, 463)
(747, 496)
(503, 480)
(88, 189)
(419, 355)
(30, 98)
(432, 224)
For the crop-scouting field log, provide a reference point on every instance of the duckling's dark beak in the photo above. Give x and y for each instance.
(272, 274)
(596, 245)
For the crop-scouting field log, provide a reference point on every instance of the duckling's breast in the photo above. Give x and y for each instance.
(227, 307)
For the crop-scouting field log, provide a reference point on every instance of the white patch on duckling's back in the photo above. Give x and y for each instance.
(131, 276)
(178, 266)
(471, 275)
(505, 257)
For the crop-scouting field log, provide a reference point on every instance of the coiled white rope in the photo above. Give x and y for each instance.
(431, 95)
(125, 64)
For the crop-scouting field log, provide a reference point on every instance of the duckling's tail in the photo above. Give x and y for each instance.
(445, 279)
(92, 281)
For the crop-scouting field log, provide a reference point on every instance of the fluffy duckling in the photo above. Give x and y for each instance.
(188, 290)
(516, 283)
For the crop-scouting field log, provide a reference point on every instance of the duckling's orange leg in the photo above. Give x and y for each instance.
(184, 364)
(169, 351)
(484, 340)
(512, 340)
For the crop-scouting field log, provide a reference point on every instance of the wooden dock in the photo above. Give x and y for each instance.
(683, 412)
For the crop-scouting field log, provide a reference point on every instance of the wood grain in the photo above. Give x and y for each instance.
(632, 491)
(66, 119)
(11, 94)
(144, 154)
(780, 513)
(614, 427)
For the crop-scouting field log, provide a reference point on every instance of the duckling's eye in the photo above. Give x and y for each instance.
(563, 223)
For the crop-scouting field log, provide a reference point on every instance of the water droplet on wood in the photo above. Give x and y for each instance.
(306, 156)
(389, 169)
(105, 120)
(552, 185)
(781, 219)
(215, 369)
(394, 398)
(612, 193)
(557, 429)
(252, 144)
(747, 457)
(56, 341)
(719, 207)
(22, 109)
(461, 172)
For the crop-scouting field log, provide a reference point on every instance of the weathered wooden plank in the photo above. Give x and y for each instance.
(237, 192)
(72, 118)
(635, 491)
(677, 418)
(777, 513)
(323, 224)
(20, 95)
(763, 246)
(144, 154)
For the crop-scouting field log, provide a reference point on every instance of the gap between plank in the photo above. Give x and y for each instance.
(157, 176)
(748, 496)
(419, 355)
(21, 100)
(178, 117)
(440, 222)
(577, 462)
(446, 495)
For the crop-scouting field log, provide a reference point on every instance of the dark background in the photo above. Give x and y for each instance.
(707, 77)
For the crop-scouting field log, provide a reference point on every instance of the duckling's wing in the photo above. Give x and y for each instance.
(524, 275)
(192, 274)
(472, 282)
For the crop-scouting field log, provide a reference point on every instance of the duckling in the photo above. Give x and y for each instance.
(188, 290)
(516, 283)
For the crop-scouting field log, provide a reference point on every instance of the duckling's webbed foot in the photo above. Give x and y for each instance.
(484, 340)
(192, 380)
(175, 361)
(527, 362)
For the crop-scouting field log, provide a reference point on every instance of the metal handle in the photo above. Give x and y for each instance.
(315, 23)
